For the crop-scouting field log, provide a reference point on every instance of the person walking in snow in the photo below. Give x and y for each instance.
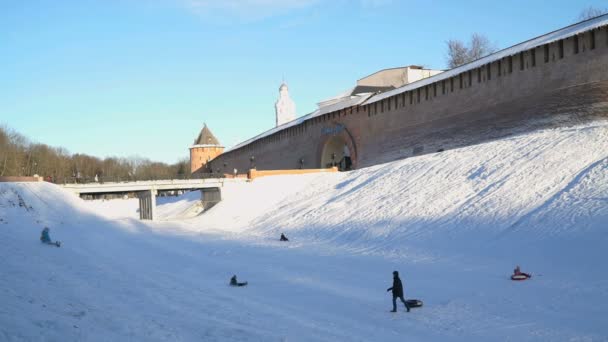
(397, 292)
(46, 238)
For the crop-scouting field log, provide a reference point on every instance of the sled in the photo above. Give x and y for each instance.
(520, 276)
(239, 284)
(413, 303)
(56, 243)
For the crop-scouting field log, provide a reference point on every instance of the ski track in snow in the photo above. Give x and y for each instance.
(453, 223)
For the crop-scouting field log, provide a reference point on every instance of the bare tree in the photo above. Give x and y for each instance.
(459, 53)
(591, 12)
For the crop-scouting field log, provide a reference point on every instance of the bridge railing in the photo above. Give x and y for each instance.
(103, 179)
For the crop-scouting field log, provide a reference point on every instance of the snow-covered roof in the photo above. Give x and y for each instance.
(343, 94)
(347, 102)
(356, 90)
(550, 37)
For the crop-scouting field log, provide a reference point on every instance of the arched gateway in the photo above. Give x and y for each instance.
(338, 148)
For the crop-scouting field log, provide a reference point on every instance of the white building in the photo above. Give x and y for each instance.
(285, 108)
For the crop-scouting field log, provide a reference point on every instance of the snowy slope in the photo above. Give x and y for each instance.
(454, 224)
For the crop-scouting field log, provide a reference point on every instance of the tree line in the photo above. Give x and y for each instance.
(20, 157)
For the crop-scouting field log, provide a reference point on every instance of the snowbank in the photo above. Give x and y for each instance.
(453, 223)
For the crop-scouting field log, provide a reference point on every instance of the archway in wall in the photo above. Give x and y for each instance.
(335, 148)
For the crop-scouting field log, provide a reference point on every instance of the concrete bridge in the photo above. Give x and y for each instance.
(147, 190)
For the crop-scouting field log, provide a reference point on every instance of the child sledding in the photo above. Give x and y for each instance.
(519, 275)
(234, 282)
(46, 238)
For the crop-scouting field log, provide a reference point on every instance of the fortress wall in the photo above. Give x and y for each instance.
(513, 96)
(493, 100)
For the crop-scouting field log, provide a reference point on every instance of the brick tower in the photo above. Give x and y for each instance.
(205, 148)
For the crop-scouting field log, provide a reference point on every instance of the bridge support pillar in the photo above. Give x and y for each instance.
(147, 204)
(210, 197)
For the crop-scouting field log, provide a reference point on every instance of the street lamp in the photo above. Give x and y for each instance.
(252, 162)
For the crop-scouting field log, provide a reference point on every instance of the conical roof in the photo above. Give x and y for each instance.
(205, 137)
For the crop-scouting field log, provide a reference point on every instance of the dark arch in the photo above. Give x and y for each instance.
(333, 142)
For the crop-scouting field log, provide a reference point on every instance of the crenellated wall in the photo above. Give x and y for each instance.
(552, 84)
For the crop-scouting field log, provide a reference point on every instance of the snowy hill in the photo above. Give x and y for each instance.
(453, 223)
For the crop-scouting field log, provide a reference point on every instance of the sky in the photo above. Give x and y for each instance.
(141, 77)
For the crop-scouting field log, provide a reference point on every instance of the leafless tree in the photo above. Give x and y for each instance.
(459, 53)
(591, 12)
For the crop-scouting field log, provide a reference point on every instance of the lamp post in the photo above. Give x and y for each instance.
(252, 162)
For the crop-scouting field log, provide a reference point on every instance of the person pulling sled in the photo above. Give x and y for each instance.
(397, 292)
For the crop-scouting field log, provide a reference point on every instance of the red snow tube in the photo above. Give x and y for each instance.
(522, 276)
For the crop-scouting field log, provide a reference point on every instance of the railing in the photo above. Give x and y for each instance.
(101, 180)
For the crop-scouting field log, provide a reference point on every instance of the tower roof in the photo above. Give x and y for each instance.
(205, 137)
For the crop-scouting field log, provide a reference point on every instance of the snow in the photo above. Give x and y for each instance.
(167, 208)
(454, 224)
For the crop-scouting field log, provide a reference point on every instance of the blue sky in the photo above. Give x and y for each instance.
(140, 77)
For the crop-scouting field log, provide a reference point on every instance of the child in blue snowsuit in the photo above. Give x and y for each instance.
(46, 238)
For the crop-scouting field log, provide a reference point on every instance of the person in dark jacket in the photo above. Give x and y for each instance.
(234, 282)
(283, 237)
(397, 292)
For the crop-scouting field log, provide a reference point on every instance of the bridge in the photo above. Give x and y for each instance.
(147, 190)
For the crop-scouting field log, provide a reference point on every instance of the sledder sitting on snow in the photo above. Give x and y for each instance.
(397, 292)
(283, 237)
(46, 238)
(517, 272)
(234, 282)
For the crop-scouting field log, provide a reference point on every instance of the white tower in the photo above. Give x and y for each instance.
(285, 108)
